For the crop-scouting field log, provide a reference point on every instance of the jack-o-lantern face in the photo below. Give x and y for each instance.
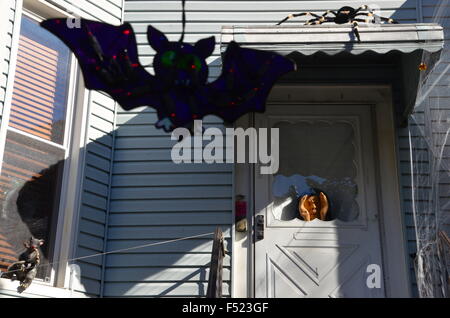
(313, 207)
(313, 204)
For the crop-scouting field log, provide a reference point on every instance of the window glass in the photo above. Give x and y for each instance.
(40, 84)
(32, 167)
(321, 158)
(29, 183)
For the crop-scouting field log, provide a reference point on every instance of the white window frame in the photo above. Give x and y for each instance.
(73, 144)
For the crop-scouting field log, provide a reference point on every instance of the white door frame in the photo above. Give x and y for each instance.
(392, 229)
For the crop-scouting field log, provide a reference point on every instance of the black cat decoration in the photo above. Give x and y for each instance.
(25, 269)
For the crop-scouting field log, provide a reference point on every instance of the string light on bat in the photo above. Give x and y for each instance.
(343, 15)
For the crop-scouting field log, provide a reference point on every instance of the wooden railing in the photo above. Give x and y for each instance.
(216, 267)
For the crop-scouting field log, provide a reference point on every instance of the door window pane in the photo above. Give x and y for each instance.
(316, 156)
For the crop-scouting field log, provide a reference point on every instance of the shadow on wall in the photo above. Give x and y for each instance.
(154, 200)
(151, 200)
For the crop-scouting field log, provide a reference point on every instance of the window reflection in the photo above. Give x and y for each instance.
(29, 185)
(40, 84)
(318, 156)
(31, 174)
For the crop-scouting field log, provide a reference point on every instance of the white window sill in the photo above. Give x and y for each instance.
(36, 290)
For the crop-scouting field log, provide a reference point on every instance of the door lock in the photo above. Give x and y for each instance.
(259, 227)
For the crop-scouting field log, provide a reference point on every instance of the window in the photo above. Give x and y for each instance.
(41, 84)
(309, 168)
(37, 143)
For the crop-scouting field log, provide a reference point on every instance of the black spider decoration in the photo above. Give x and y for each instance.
(342, 16)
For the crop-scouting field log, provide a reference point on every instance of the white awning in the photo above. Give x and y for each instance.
(332, 39)
(316, 47)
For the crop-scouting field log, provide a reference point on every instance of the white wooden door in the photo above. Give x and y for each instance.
(327, 148)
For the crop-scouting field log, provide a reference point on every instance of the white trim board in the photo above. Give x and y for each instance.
(37, 289)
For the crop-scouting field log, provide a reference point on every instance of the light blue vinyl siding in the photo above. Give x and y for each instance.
(439, 111)
(154, 200)
(205, 18)
(98, 154)
(424, 121)
(109, 11)
(6, 33)
(95, 190)
(132, 194)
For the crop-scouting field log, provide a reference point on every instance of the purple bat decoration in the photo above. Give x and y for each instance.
(178, 91)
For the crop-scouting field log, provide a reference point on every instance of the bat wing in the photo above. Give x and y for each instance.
(247, 77)
(108, 58)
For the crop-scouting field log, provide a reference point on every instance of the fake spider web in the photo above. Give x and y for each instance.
(428, 197)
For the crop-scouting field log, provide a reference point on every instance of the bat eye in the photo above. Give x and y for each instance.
(168, 58)
(196, 63)
(190, 62)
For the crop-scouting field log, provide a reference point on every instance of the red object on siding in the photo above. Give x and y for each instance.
(241, 209)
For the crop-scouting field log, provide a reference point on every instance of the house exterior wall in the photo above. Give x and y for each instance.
(97, 156)
(97, 148)
(154, 200)
(437, 119)
(132, 193)
(205, 18)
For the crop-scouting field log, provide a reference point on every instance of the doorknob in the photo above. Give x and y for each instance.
(259, 227)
